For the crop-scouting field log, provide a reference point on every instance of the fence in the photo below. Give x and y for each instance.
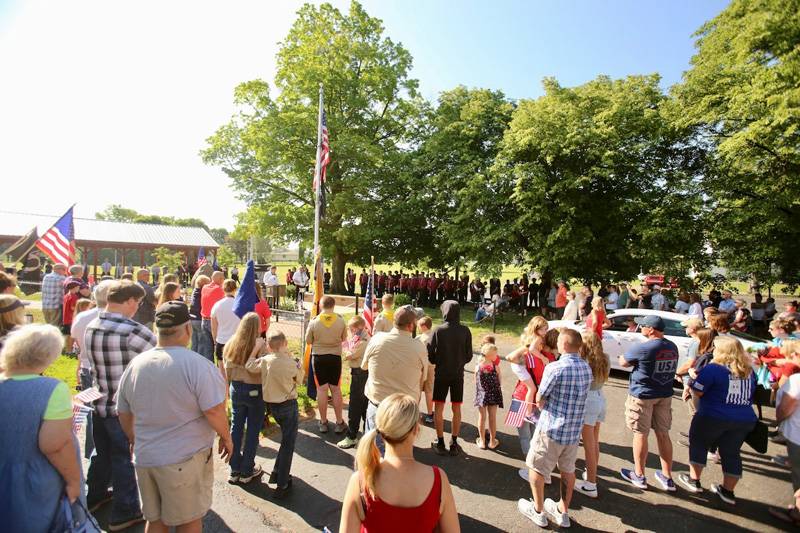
(293, 325)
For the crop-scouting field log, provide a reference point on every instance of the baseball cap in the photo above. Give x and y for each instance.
(651, 321)
(14, 304)
(656, 287)
(171, 314)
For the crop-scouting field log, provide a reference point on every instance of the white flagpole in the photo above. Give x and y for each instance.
(317, 197)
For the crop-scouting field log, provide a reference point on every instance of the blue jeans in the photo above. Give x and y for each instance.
(248, 409)
(287, 416)
(369, 425)
(525, 432)
(112, 466)
(205, 343)
(86, 383)
(197, 330)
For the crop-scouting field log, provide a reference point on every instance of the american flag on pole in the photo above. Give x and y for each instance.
(369, 300)
(324, 157)
(79, 414)
(58, 243)
(516, 413)
(201, 256)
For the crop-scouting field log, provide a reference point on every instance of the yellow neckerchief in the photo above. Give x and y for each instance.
(389, 314)
(327, 319)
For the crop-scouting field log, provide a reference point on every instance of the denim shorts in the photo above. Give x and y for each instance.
(595, 408)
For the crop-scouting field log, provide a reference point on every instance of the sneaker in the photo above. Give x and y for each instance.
(683, 434)
(778, 439)
(94, 505)
(119, 525)
(233, 479)
(585, 475)
(586, 488)
(692, 485)
(551, 508)
(666, 482)
(524, 474)
(323, 427)
(724, 494)
(257, 472)
(347, 443)
(683, 442)
(282, 492)
(455, 449)
(527, 509)
(637, 481)
(440, 449)
(429, 419)
(340, 427)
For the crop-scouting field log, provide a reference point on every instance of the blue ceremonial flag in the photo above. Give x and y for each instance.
(247, 298)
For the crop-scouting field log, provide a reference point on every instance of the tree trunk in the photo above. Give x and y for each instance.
(338, 263)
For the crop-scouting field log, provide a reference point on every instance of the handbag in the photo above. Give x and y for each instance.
(75, 518)
(758, 437)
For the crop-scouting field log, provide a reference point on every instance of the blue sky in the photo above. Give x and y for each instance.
(123, 95)
(512, 45)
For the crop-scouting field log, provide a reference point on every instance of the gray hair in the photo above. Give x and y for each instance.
(32, 347)
(75, 270)
(100, 292)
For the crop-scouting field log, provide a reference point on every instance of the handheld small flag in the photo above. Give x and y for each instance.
(58, 243)
(79, 414)
(246, 298)
(516, 414)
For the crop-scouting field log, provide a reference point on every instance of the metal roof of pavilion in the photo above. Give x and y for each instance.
(109, 234)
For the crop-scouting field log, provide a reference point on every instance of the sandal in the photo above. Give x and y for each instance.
(785, 514)
(479, 442)
(494, 444)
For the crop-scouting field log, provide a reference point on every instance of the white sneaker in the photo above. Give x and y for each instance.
(526, 508)
(524, 474)
(585, 475)
(551, 508)
(586, 488)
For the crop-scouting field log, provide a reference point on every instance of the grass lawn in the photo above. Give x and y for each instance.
(65, 368)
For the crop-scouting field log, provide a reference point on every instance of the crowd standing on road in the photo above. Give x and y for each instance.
(167, 402)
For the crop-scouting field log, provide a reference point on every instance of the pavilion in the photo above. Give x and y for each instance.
(92, 236)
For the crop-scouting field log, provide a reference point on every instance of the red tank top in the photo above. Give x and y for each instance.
(382, 517)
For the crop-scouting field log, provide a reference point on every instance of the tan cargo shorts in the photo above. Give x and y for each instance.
(643, 415)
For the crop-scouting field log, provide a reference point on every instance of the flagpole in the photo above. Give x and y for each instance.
(317, 191)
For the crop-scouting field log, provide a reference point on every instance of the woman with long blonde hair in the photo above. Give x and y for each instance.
(396, 491)
(597, 320)
(247, 401)
(723, 392)
(169, 291)
(592, 353)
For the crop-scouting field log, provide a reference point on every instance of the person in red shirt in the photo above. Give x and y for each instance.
(209, 295)
(362, 281)
(351, 281)
(390, 284)
(263, 311)
(71, 297)
(561, 300)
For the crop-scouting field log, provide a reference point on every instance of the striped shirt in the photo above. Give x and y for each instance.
(565, 385)
(111, 342)
(53, 291)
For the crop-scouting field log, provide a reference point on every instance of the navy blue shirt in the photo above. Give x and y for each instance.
(654, 364)
(725, 396)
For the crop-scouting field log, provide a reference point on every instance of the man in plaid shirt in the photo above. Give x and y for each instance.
(562, 399)
(53, 294)
(111, 341)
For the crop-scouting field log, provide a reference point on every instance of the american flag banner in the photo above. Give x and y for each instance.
(89, 395)
(323, 157)
(516, 414)
(79, 414)
(369, 300)
(201, 256)
(58, 243)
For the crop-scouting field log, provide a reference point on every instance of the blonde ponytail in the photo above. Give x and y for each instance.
(368, 459)
(395, 420)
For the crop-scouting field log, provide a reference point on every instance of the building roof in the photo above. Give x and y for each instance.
(89, 231)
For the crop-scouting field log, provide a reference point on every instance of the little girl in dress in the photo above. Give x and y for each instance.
(488, 395)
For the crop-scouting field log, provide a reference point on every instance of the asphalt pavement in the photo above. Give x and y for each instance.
(486, 484)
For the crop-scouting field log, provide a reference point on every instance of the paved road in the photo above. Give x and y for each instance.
(487, 486)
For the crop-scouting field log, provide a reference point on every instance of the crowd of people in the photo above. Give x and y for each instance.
(165, 362)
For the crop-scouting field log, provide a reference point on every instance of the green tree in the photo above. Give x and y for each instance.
(117, 213)
(167, 259)
(462, 138)
(268, 147)
(743, 96)
(219, 234)
(603, 185)
(225, 256)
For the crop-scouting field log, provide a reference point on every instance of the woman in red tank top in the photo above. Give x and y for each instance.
(396, 493)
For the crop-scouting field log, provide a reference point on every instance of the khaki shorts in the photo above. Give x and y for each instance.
(52, 317)
(179, 493)
(643, 415)
(427, 385)
(546, 453)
